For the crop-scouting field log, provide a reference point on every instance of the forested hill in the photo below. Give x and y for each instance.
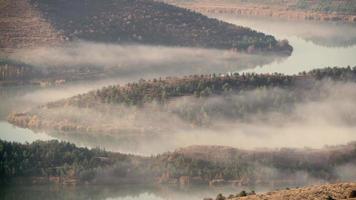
(27, 23)
(60, 162)
(161, 90)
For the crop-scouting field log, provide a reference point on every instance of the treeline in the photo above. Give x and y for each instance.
(329, 6)
(334, 73)
(161, 90)
(11, 70)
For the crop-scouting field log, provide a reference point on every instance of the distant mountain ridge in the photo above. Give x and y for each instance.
(339, 6)
(319, 10)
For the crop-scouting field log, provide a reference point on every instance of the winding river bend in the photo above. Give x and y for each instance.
(316, 45)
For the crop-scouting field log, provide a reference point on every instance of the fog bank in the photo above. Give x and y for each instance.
(143, 61)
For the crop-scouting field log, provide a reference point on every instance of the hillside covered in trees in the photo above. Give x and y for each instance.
(55, 162)
(24, 22)
(162, 90)
(63, 163)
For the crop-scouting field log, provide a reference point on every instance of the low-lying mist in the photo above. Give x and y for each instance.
(115, 64)
(139, 61)
(19, 99)
(265, 117)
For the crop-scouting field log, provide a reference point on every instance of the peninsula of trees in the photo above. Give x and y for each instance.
(128, 100)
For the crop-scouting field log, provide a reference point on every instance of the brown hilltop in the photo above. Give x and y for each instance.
(32, 23)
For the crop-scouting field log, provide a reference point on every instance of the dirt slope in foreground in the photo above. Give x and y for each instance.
(335, 191)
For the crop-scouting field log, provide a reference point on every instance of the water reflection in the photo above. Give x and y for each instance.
(128, 192)
(9, 132)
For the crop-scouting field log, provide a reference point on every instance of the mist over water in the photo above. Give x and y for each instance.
(132, 62)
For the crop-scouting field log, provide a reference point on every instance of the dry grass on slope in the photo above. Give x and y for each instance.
(322, 192)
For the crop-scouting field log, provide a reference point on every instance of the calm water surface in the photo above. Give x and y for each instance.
(115, 193)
